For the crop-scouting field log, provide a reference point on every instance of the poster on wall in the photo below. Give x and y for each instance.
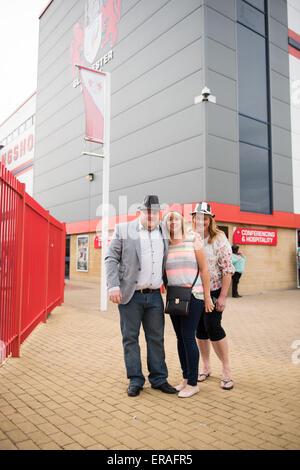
(82, 257)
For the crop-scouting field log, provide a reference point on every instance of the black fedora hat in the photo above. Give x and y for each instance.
(150, 202)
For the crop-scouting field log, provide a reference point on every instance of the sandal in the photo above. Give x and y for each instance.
(203, 375)
(226, 382)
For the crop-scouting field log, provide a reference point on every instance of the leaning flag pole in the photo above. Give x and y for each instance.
(97, 91)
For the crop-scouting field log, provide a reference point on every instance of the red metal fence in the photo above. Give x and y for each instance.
(32, 264)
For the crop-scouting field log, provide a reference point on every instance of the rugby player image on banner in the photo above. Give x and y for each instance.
(93, 83)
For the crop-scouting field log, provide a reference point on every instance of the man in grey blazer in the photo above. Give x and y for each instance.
(134, 268)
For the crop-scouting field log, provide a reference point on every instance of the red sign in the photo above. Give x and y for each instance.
(249, 236)
(98, 241)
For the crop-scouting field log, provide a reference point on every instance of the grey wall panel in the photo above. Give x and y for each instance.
(62, 98)
(61, 119)
(158, 78)
(227, 8)
(63, 153)
(221, 59)
(184, 189)
(279, 60)
(280, 87)
(281, 142)
(175, 40)
(55, 44)
(168, 22)
(178, 97)
(278, 10)
(217, 181)
(283, 197)
(176, 128)
(282, 170)
(221, 122)
(142, 11)
(66, 173)
(281, 114)
(50, 17)
(174, 160)
(71, 191)
(278, 33)
(220, 28)
(50, 143)
(222, 154)
(72, 211)
(223, 88)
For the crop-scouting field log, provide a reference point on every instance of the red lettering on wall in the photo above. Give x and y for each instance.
(3, 159)
(30, 142)
(16, 152)
(9, 157)
(22, 148)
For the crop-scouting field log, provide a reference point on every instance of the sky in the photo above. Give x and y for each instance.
(19, 30)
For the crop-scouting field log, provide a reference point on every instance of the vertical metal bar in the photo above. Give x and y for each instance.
(20, 271)
(47, 267)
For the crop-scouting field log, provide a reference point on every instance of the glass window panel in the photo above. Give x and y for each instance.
(250, 17)
(254, 179)
(252, 75)
(258, 4)
(253, 132)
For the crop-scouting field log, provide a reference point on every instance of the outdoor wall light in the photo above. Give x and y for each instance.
(90, 176)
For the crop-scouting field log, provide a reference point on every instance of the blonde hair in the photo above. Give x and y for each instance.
(167, 231)
(212, 228)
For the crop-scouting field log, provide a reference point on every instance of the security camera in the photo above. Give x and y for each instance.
(205, 96)
(205, 93)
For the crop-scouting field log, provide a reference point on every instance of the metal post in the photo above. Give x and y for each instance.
(105, 192)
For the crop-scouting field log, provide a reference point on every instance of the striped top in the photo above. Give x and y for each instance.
(181, 267)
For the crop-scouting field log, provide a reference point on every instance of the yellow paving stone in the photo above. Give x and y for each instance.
(6, 444)
(27, 445)
(77, 389)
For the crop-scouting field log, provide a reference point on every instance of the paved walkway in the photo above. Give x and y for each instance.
(68, 389)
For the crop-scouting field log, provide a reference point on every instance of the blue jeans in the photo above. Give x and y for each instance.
(185, 329)
(148, 310)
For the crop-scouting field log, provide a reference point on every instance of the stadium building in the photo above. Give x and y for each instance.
(236, 145)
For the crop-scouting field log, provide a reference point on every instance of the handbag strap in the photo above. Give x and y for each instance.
(195, 278)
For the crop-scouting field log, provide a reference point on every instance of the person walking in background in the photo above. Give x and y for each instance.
(134, 267)
(238, 261)
(219, 260)
(184, 257)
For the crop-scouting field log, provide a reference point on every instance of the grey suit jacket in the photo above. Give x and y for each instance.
(123, 258)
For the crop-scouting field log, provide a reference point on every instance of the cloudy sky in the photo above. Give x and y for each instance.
(19, 28)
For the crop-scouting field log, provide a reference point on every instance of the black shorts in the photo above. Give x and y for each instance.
(209, 326)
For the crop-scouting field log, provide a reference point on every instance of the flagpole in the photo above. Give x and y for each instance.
(105, 192)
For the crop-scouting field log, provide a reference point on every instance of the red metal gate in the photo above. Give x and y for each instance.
(32, 264)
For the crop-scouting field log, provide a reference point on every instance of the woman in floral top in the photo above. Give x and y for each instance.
(219, 260)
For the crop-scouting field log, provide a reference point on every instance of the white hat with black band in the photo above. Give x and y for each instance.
(203, 208)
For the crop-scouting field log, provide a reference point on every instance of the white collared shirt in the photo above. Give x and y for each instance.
(152, 253)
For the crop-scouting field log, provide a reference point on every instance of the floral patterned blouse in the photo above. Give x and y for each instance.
(219, 260)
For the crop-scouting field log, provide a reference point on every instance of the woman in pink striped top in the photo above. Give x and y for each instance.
(184, 257)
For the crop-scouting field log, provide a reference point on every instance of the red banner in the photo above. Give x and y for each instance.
(249, 236)
(93, 92)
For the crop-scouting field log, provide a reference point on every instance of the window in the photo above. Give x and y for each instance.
(254, 179)
(250, 17)
(253, 107)
(253, 131)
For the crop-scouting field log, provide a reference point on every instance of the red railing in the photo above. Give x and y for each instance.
(32, 264)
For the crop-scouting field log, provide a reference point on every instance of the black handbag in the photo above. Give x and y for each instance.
(178, 299)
